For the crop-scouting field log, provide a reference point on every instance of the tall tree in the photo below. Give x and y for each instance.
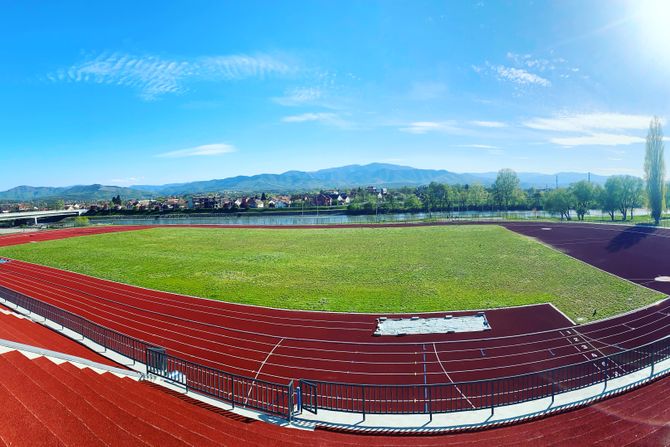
(506, 188)
(632, 190)
(559, 201)
(654, 169)
(585, 194)
(477, 196)
(611, 195)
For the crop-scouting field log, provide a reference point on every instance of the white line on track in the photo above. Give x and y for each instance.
(476, 369)
(268, 356)
(261, 367)
(48, 275)
(448, 377)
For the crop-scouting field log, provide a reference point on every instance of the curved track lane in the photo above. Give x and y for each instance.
(280, 345)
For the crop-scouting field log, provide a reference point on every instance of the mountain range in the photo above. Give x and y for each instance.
(377, 174)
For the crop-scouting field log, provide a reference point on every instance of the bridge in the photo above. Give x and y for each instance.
(28, 216)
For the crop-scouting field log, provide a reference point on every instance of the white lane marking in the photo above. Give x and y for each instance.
(261, 367)
(266, 358)
(448, 377)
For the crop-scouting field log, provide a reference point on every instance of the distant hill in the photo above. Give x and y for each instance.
(78, 192)
(377, 174)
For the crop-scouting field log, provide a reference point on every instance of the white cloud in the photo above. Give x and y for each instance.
(535, 63)
(592, 129)
(206, 150)
(153, 76)
(492, 124)
(520, 76)
(599, 139)
(240, 66)
(589, 122)
(299, 96)
(480, 146)
(422, 127)
(528, 70)
(332, 119)
(450, 126)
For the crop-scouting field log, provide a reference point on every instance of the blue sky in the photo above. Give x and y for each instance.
(156, 92)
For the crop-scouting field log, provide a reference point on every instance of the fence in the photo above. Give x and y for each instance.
(477, 395)
(130, 347)
(284, 400)
(268, 397)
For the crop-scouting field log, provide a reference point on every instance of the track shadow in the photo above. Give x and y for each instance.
(629, 237)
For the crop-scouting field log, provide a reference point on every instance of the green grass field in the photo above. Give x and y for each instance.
(352, 269)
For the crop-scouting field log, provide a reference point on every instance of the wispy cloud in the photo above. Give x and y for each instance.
(520, 76)
(528, 70)
(422, 127)
(592, 129)
(587, 122)
(535, 63)
(598, 139)
(153, 76)
(490, 124)
(480, 146)
(299, 96)
(332, 119)
(451, 126)
(206, 150)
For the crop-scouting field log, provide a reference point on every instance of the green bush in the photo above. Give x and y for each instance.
(81, 221)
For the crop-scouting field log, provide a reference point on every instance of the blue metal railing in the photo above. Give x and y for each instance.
(272, 398)
(482, 394)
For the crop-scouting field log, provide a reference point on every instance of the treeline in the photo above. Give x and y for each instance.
(620, 195)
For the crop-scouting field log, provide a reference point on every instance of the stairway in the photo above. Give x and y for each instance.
(44, 403)
(17, 328)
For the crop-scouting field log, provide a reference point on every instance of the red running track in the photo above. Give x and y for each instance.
(280, 345)
(49, 235)
(636, 253)
(48, 404)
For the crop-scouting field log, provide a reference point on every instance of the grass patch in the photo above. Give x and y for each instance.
(348, 269)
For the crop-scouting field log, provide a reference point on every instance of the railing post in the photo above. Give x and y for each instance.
(232, 397)
(315, 390)
(290, 401)
(492, 382)
(363, 400)
(653, 358)
(156, 361)
(430, 402)
(298, 396)
(553, 385)
(607, 363)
